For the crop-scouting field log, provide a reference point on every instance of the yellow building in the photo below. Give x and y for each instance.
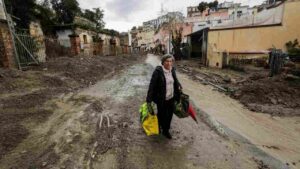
(145, 37)
(255, 40)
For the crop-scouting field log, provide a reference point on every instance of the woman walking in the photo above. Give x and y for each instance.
(164, 90)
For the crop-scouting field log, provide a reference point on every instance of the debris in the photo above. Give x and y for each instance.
(125, 125)
(216, 86)
(227, 79)
(260, 164)
(274, 101)
(290, 77)
(44, 164)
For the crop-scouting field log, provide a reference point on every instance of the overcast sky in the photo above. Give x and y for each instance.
(122, 15)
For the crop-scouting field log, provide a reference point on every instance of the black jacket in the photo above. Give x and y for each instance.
(157, 87)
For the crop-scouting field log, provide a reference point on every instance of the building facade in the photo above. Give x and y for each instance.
(156, 23)
(252, 41)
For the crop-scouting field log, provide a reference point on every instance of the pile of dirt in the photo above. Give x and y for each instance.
(87, 70)
(275, 96)
(24, 93)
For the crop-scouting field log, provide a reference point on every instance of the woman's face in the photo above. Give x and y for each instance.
(168, 64)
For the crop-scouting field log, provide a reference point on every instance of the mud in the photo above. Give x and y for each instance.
(254, 130)
(274, 96)
(23, 95)
(98, 127)
(253, 87)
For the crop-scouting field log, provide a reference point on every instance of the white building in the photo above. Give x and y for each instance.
(178, 16)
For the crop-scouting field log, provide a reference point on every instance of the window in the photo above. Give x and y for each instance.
(239, 13)
(85, 39)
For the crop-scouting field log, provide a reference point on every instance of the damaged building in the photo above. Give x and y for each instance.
(247, 37)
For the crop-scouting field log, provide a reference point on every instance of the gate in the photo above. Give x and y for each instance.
(26, 48)
(276, 58)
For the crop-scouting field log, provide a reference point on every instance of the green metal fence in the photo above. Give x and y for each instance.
(27, 49)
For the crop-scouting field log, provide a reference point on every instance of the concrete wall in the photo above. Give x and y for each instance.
(63, 37)
(2, 13)
(86, 46)
(36, 32)
(145, 37)
(255, 39)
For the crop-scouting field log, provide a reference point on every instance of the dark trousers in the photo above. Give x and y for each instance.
(165, 112)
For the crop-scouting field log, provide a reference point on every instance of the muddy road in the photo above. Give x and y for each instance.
(98, 128)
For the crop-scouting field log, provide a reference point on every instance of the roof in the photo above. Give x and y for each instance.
(198, 32)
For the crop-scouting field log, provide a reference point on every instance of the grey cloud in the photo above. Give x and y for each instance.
(123, 9)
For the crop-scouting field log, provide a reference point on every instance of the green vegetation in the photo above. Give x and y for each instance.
(293, 48)
(65, 10)
(95, 16)
(53, 14)
(22, 11)
(211, 5)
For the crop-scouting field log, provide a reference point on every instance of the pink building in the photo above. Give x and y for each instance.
(163, 35)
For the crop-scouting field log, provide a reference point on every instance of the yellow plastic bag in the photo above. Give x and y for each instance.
(150, 125)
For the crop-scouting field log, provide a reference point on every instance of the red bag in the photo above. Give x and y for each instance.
(192, 112)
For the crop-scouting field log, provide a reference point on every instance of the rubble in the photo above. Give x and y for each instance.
(278, 96)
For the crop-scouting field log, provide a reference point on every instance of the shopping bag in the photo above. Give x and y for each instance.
(150, 125)
(149, 120)
(181, 109)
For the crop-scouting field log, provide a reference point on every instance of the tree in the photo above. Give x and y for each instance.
(88, 14)
(22, 11)
(46, 4)
(202, 6)
(95, 16)
(133, 28)
(176, 42)
(99, 14)
(46, 16)
(65, 10)
(212, 5)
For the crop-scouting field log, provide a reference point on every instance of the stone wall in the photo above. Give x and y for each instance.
(36, 32)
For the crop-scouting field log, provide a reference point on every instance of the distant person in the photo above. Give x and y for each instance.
(164, 90)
